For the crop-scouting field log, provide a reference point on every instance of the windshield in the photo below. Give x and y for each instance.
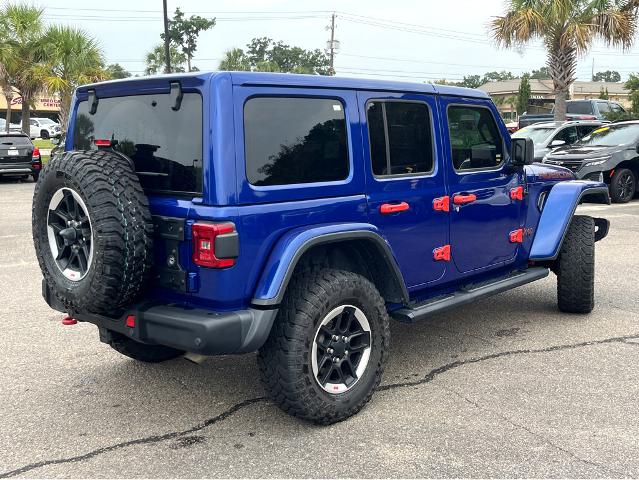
(611, 136)
(579, 108)
(164, 144)
(537, 135)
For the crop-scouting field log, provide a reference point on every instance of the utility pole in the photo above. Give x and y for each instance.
(592, 77)
(167, 40)
(332, 45)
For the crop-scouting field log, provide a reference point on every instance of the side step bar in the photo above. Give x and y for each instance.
(468, 295)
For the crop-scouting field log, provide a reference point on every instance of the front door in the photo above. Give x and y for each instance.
(485, 218)
(404, 180)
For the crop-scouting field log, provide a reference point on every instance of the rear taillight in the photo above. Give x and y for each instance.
(215, 245)
(102, 142)
(36, 154)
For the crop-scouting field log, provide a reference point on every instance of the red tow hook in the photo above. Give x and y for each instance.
(69, 320)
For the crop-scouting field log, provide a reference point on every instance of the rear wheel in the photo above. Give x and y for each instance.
(141, 351)
(623, 185)
(575, 267)
(327, 349)
(35, 176)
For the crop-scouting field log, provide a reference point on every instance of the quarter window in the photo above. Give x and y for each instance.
(475, 141)
(401, 140)
(291, 140)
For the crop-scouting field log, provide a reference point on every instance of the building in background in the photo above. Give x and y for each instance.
(46, 106)
(542, 99)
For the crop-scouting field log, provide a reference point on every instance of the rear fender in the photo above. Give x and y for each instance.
(292, 246)
(561, 203)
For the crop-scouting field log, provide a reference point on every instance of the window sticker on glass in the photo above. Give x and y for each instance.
(337, 108)
(603, 129)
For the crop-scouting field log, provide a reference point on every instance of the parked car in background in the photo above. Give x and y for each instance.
(44, 128)
(13, 127)
(547, 136)
(18, 156)
(609, 154)
(576, 110)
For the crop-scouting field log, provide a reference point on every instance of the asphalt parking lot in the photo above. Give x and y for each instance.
(508, 387)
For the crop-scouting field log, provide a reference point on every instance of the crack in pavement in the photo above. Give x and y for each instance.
(535, 434)
(430, 376)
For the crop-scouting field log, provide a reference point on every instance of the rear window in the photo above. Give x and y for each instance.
(579, 108)
(16, 141)
(165, 145)
(291, 140)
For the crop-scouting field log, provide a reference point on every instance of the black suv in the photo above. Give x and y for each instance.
(18, 156)
(610, 154)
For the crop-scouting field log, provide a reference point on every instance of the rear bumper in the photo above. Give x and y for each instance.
(189, 329)
(17, 169)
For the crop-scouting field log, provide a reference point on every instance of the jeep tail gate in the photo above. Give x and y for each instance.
(218, 213)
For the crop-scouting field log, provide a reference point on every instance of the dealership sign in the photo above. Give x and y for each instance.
(49, 102)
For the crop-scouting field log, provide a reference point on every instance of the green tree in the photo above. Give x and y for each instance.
(523, 94)
(540, 74)
(471, 81)
(117, 71)
(25, 50)
(155, 60)
(497, 76)
(75, 59)
(568, 29)
(607, 76)
(264, 55)
(603, 94)
(183, 32)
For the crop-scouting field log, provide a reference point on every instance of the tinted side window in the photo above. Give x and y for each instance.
(295, 140)
(568, 135)
(579, 107)
(474, 138)
(400, 138)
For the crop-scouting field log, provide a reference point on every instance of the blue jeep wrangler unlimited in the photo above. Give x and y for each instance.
(220, 213)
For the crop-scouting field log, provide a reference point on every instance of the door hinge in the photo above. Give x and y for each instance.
(441, 204)
(442, 254)
(517, 236)
(517, 193)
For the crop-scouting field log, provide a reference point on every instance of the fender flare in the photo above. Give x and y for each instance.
(559, 208)
(291, 247)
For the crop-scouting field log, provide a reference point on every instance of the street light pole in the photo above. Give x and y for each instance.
(167, 41)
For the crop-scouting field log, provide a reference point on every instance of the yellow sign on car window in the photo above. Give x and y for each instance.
(602, 129)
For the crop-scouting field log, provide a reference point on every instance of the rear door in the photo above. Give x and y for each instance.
(483, 214)
(404, 180)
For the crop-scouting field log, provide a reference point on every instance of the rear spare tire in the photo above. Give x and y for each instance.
(92, 231)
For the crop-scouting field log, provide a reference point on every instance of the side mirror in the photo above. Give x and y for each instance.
(522, 152)
(557, 143)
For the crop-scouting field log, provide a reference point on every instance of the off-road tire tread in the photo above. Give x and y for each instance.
(575, 267)
(282, 358)
(141, 351)
(122, 228)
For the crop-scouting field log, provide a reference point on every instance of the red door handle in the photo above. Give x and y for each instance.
(387, 208)
(464, 199)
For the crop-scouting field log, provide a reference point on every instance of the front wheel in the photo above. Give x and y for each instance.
(327, 349)
(575, 267)
(44, 135)
(623, 185)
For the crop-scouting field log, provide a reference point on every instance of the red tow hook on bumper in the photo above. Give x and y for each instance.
(69, 321)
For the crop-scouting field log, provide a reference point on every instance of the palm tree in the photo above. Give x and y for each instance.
(235, 60)
(567, 28)
(155, 60)
(7, 70)
(75, 59)
(24, 45)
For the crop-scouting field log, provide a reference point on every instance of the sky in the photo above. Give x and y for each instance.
(396, 40)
